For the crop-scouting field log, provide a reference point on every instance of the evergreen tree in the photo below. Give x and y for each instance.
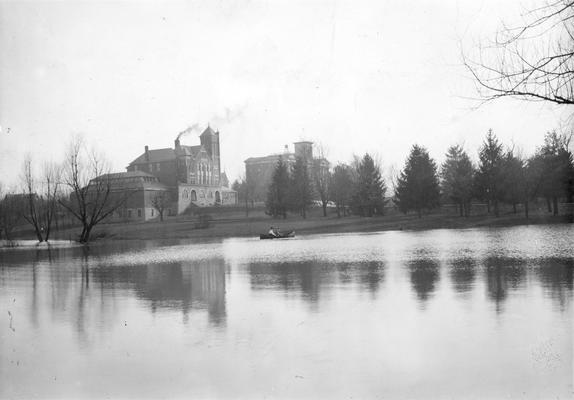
(513, 180)
(418, 185)
(277, 193)
(489, 176)
(370, 188)
(341, 188)
(301, 190)
(457, 175)
(556, 170)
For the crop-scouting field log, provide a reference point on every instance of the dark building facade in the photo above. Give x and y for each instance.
(192, 173)
(259, 170)
(135, 190)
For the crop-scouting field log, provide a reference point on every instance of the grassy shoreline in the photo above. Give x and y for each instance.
(234, 223)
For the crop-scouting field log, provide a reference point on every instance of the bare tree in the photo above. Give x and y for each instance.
(321, 176)
(245, 190)
(532, 61)
(40, 197)
(92, 196)
(160, 201)
(52, 175)
(33, 201)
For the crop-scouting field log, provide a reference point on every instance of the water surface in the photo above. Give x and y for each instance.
(480, 313)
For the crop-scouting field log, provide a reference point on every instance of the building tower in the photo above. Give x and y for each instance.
(304, 150)
(210, 141)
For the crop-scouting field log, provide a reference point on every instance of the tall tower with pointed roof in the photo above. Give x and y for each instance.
(210, 141)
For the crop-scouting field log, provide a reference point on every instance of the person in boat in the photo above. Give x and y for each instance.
(273, 231)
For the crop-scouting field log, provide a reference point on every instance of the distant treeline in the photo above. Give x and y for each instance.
(502, 176)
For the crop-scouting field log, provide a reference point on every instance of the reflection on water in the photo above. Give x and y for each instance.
(309, 278)
(305, 318)
(462, 274)
(424, 274)
(555, 275)
(502, 275)
(198, 285)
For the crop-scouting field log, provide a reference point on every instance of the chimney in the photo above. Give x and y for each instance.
(147, 153)
(177, 143)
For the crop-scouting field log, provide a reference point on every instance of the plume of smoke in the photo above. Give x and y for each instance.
(188, 131)
(231, 114)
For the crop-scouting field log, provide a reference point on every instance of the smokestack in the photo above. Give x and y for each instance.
(177, 143)
(147, 153)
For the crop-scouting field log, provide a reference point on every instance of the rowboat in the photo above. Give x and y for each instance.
(281, 235)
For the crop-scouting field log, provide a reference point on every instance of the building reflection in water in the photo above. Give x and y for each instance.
(85, 293)
(503, 274)
(311, 277)
(193, 285)
(424, 274)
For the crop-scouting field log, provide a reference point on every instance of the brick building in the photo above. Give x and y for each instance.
(136, 191)
(192, 174)
(259, 170)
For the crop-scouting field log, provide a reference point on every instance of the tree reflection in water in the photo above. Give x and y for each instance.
(463, 274)
(311, 277)
(502, 274)
(424, 274)
(556, 277)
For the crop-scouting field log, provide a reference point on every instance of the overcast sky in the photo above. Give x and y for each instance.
(355, 76)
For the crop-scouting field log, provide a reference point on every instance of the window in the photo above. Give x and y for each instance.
(129, 213)
(193, 196)
(157, 167)
(152, 210)
(185, 194)
(139, 212)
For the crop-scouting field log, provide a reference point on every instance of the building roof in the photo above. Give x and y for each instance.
(207, 131)
(131, 180)
(190, 150)
(157, 155)
(271, 158)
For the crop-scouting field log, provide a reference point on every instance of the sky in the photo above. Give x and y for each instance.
(352, 76)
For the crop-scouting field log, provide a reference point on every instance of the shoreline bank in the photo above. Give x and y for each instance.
(226, 225)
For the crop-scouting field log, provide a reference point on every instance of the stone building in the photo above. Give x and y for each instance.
(259, 170)
(192, 174)
(136, 190)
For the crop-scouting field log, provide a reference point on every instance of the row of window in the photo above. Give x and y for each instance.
(192, 195)
(151, 167)
(131, 213)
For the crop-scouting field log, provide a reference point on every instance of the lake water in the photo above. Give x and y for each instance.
(481, 313)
